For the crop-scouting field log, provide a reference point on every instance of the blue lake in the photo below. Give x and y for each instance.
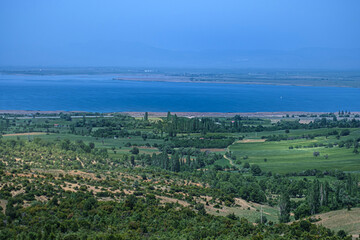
(100, 93)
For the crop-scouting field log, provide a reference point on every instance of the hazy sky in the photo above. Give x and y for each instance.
(68, 28)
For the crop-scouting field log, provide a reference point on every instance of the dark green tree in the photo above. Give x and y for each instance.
(175, 163)
(313, 197)
(284, 207)
(135, 150)
(255, 170)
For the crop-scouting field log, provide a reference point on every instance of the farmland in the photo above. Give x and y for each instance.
(298, 155)
(219, 168)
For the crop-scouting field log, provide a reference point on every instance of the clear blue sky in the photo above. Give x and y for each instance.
(58, 30)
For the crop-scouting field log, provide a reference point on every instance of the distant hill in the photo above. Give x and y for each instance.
(127, 54)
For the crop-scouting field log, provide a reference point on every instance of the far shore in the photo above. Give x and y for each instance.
(271, 83)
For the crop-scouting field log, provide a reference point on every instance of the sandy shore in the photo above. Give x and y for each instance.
(175, 79)
(221, 114)
(181, 114)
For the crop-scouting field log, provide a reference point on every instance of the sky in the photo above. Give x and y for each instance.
(97, 32)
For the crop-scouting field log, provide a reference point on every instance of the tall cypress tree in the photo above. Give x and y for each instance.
(284, 207)
(314, 197)
(175, 163)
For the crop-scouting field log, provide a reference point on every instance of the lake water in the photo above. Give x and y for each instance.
(100, 93)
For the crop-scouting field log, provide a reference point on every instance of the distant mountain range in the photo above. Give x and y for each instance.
(138, 55)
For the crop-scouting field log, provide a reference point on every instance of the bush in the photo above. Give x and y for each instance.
(345, 132)
(135, 150)
(341, 234)
(255, 170)
(316, 154)
(264, 220)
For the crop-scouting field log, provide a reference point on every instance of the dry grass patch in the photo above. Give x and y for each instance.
(349, 221)
(3, 205)
(213, 149)
(172, 200)
(251, 141)
(41, 198)
(24, 134)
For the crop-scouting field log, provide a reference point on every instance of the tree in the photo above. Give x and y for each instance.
(135, 150)
(341, 234)
(316, 154)
(132, 160)
(217, 167)
(246, 165)
(313, 197)
(201, 208)
(10, 210)
(130, 201)
(302, 211)
(255, 170)
(90, 203)
(175, 163)
(284, 207)
(146, 116)
(345, 132)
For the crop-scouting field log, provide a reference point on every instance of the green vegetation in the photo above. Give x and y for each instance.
(118, 177)
(295, 155)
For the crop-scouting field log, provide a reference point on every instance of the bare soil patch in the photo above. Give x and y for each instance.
(213, 149)
(306, 121)
(14, 193)
(172, 200)
(41, 198)
(251, 140)
(151, 148)
(3, 205)
(244, 204)
(24, 134)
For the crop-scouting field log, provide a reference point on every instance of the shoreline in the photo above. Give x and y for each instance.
(222, 114)
(234, 82)
(275, 114)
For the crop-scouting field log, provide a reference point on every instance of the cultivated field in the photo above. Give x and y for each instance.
(298, 154)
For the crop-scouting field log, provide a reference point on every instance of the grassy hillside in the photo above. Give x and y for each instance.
(341, 219)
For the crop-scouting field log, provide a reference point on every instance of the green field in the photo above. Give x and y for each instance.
(109, 143)
(281, 159)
